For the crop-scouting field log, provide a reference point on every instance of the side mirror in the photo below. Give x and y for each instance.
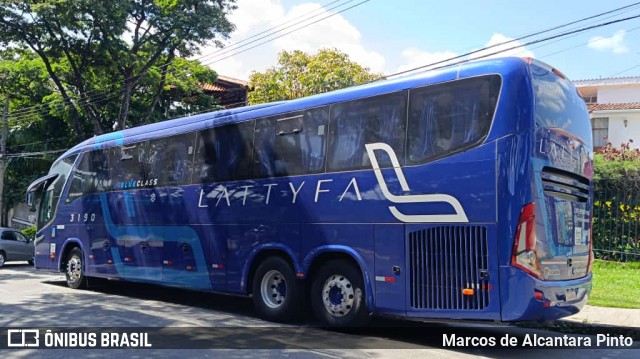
(31, 201)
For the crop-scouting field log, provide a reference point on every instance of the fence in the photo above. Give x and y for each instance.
(616, 219)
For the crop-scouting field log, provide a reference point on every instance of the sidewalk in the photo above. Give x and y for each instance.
(607, 316)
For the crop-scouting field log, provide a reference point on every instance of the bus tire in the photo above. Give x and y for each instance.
(276, 293)
(338, 295)
(73, 269)
(3, 258)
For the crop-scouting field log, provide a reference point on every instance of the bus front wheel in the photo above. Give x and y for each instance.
(276, 293)
(73, 269)
(338, 295)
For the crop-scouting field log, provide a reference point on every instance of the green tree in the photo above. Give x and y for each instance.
(299, 74)
(25, 81)
(113, 56)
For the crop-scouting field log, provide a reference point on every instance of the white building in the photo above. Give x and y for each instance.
(614, 107)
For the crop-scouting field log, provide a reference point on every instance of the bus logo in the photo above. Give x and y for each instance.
(23, 338)
(459, 216)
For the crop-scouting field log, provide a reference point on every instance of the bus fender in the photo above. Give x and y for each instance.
(306, 264)
(68, 242)
(265, 247)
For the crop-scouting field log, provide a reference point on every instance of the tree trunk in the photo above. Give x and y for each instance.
(126, 99)
(3, 151)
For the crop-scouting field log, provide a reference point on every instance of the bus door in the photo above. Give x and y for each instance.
(42, 189)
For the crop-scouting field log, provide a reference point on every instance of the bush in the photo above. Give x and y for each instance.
(30, 232)
(615, 163)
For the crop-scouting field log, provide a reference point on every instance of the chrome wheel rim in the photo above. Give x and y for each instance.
(338, 295)
(74, 269)
(1, 259)
(273, 289)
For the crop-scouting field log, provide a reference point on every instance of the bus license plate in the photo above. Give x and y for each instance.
(572, 294)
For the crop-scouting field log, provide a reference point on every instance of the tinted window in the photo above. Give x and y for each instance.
(9, 236)
(127, 163)
(224, 153)
(449, 117)
(356, 123)
(168, 161)
(54, 191)
(290, 144)
(558, 104)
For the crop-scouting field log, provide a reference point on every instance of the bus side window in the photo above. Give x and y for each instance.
(357, 123)
(129, 168)
(290, 144)
(450, 117)
(174, 159)
(82, 180)
(264, 157)
(205, 157)
(225, 153)
(100, 171)
(313, 143)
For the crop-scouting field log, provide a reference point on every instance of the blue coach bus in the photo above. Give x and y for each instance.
(462, 193)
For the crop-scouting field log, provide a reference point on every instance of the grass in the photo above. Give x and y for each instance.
(616, 284)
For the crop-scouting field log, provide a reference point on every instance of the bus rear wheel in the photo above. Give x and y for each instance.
(338, 295)
(276, 293)
(73, 269)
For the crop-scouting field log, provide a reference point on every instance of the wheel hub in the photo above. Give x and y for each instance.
(338, 295)
(74, 268)
(273, 289)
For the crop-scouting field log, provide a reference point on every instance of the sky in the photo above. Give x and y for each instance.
(389, 36)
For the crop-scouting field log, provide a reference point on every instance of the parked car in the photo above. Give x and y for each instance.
(15, 246)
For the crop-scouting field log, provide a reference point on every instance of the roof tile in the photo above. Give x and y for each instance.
(613, 106)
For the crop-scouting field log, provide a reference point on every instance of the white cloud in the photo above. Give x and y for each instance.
(415, 57)
(614, 43)
(256, 16)
(510, 47)
(334, 32)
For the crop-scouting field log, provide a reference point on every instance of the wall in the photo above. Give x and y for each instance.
(618, 133)
(620, 94)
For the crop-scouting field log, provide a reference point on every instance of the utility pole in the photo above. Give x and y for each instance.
(3, 152)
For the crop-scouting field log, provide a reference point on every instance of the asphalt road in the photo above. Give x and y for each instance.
(34, 299)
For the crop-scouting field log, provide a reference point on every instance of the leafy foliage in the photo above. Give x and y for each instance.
(299, 74)
(72, 69)
(617, 162)
(30, 232)
(105, 58)
(616, 208)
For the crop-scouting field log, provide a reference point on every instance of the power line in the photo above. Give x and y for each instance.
(15, 118)
(88, 99)
(533, 42)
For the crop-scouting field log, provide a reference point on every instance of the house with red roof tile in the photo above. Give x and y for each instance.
(614, 108)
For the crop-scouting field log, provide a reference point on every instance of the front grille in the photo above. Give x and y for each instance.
(445, 260)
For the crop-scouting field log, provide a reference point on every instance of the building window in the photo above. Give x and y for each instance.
(590, 99)
(600, 126)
